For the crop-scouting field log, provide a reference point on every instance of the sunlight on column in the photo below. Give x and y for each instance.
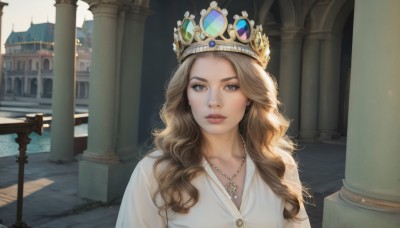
(9, 194)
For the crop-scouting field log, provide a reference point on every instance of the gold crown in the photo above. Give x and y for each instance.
(190, 38)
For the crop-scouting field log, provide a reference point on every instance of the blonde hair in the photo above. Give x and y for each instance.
(262, 127)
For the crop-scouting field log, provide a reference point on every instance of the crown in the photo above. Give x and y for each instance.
(209, 35)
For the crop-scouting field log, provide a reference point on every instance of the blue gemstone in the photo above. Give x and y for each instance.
(214, 23)
(211, 43)
(243, 29)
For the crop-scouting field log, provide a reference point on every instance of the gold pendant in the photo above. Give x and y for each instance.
(231, 188)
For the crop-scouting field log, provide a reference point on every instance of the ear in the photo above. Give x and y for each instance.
(248, 102)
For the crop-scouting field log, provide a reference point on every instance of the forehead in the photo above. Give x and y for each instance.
(212, 66)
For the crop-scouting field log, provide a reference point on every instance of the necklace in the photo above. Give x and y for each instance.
(231, 187)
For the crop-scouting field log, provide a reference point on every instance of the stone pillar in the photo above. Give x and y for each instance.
(39, 84)
(86, 91)
(289, 76)
(13, 85)
(2, 4)
(78, 90)
(309, 89)
(370, 196)
(101, 144)
(63, 101)
(100, 167)
(329, 83)
(25, 84)
(6, 83)
(130, 82)
(114, 90)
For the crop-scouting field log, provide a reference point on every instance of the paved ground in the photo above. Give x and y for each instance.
(51, 198)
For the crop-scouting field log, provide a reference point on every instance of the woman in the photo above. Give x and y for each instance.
(223, 159)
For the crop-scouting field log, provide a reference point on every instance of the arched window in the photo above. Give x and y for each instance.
(18, 87)
(81, 66)
(33, 87)
(48, 88)
(46, 64)
(9, 85)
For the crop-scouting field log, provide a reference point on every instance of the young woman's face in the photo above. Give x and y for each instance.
(215, 97)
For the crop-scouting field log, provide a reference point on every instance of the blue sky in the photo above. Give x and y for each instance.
(20, 13)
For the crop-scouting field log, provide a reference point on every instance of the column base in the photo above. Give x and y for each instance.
(308, 136)
(103, 182)
(339, 213)
(61, 158)
(328, 135)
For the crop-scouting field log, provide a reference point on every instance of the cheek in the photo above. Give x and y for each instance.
(239, 102)
(189, 97)
(241, 106)
(193, 100)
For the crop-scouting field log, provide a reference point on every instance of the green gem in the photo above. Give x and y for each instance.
(187, 30)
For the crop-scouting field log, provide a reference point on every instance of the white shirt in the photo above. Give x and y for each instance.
(260, 206)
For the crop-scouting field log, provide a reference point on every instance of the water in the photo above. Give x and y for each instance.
(39, 143)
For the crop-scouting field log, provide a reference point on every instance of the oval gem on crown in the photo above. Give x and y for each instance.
(214, 23)
(243, 30)
(187, 30)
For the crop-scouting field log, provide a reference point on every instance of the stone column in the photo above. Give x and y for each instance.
(39, 84)
(86, 90)
(289, 76)
(78, 90)
(114, 90)
(13, 85)
(63, 101)
(130, 81)
(25, 84)
(329, 83)
(2, 4)
(101, 144)
(309, 89)
(370, 196)
(6, 83)
(100, 167)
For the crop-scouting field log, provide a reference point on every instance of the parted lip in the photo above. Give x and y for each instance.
(215, 116)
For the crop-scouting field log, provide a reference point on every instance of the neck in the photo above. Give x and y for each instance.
(224, 146)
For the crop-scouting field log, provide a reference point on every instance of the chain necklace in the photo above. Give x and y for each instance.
(231, 187)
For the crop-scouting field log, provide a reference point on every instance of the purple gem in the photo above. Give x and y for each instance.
(211, 43)
(243, 29)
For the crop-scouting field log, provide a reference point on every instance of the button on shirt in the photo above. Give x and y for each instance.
(239, 223)
(260, 206)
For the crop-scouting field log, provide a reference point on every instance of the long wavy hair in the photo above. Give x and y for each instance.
(262, 127)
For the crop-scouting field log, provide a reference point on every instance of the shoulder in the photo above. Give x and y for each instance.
(144, 174)
(147, 163)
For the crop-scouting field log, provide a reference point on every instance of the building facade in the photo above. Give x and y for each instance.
(28, 64)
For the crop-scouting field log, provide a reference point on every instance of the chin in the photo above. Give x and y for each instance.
(217, 131)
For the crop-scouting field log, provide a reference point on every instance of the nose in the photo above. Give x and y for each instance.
(214, 100)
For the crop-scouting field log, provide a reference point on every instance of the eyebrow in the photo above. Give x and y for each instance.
(204, 80)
